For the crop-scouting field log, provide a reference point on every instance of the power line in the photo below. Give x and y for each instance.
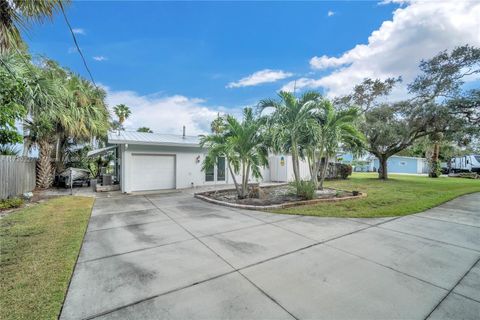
(76, 43)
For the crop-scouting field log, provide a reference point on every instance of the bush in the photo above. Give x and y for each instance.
(345, 170)
(435, 169)
(304, 188)
(10, 203)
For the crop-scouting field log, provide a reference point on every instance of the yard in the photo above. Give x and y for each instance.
(39, 247)
(398, 196)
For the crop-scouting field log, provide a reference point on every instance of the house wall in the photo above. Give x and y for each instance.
(188, 170)
(396, 164)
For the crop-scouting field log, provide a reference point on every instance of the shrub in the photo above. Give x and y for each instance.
(345, 170)
(10, 203)
(304, 188)
(435, 169)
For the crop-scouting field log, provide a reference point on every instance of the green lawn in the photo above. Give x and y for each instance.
(398, 196)
(39, 246)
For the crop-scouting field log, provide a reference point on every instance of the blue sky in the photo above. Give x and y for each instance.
(180, 63)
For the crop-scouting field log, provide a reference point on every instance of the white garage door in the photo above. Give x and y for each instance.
(152, 172)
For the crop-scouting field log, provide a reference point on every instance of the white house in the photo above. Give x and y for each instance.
(152, 161)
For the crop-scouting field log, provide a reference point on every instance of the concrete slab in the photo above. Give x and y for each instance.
(467, 203)
(103, 243)
(110, 283)
(267, 216)
(247, 246)
(470, 285)
(115, 220)
(456, 307)
(189, 209)
(121, 204)
(173, 200)
(441, 264)
(227, 297)
(325, 283)
(209, 224)
(457, 234)
(372, 221)
(452, 215)
(319, 228)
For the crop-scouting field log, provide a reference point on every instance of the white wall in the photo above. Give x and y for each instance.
(189, 171)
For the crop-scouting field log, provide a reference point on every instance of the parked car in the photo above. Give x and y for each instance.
(79, 177)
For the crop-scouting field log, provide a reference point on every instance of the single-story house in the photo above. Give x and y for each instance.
(152, 161)
(395, 164)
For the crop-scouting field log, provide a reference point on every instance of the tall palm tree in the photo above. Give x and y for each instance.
(242, 144)
(292, 119)
(122, 112)
(18, 14)
(335, 128)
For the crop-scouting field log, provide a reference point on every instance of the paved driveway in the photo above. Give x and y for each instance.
(176, 257)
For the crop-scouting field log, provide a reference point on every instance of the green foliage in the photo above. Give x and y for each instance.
(304, 188)
(144, 129)
(243, 146)
(122, 112)
(16, 15)
(345, 170)
(11, 203)
(9, 150)
(11, 110)
(435, 168)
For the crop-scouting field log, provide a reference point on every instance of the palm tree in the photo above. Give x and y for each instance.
(144, 129)
(17, 14)
(292, 119)
(217, 123)
(335, 128)
(242, 144)
(122, 112)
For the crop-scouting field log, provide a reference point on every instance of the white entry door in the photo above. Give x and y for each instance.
(152, 172)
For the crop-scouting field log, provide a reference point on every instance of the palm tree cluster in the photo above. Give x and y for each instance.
(308, 127)
(62, 108)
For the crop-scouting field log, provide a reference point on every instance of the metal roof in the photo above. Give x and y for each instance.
(101, 151)
(133, 137)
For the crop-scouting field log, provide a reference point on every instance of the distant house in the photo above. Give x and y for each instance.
(395, 164)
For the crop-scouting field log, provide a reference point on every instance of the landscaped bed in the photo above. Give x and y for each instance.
(39, 246)
(276, 196)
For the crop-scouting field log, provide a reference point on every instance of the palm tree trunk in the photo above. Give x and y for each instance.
(233, 178)
(44, 165)
(295, 164)
(323, 172)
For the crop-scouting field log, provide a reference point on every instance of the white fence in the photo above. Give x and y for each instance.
(17, 175)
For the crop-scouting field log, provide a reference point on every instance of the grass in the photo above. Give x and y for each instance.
(398, 196)
(38, 250)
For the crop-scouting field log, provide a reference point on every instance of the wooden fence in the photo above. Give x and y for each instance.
(17, 175)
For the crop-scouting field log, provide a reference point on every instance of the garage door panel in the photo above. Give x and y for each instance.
(152, 172)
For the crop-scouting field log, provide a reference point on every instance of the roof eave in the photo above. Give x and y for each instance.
(164, 144)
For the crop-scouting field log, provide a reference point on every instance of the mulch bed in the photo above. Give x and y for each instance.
(273, 197)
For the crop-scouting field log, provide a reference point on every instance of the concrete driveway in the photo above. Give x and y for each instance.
(172, 256)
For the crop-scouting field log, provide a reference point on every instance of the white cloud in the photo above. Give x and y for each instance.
(259, 77)
(419, 30)
(330, 13)
(79, 31)
(100, 58)
(72, 50)
(167, 114)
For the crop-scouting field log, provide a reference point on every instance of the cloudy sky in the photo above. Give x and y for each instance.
(181, 63)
